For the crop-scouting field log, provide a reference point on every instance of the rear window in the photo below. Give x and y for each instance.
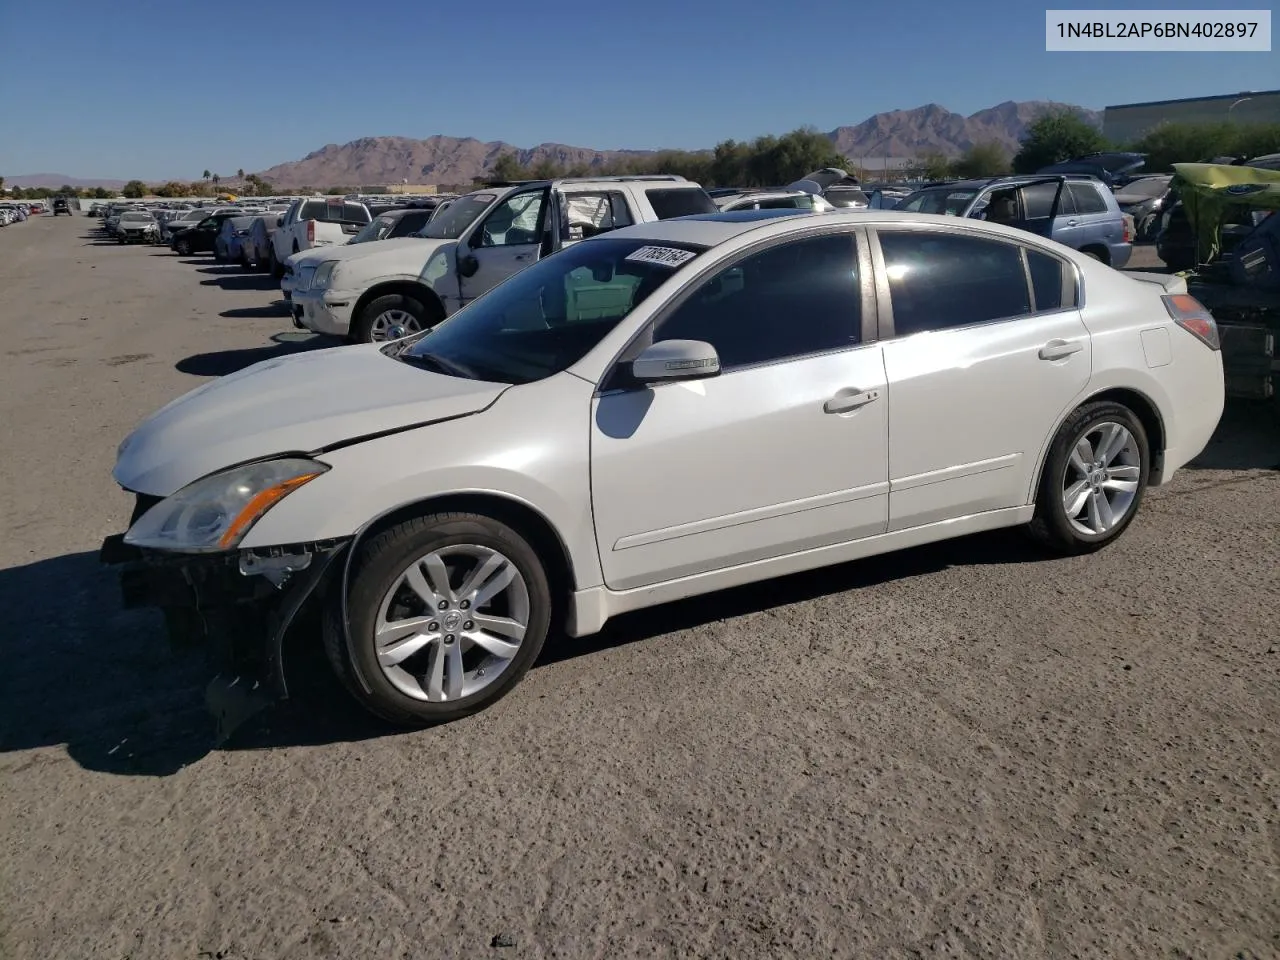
(1087, 199)
(334, 212)
(680, 202)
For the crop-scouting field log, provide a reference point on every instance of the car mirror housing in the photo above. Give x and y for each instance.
(676, 360)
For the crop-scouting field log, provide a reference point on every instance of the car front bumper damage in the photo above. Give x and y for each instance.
(237, 606)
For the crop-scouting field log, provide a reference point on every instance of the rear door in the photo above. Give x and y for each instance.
(1096, 223)
(986, 352)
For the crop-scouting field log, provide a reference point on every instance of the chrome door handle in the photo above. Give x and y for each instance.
(843, 403)
(1072, 223)
(1058, 349)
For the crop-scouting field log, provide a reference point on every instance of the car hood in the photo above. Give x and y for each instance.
(302, 403)
(412, 247)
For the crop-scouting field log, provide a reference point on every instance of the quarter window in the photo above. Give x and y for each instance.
(793, 299)
(1087, 198)
(1046, 280)
(939, 280)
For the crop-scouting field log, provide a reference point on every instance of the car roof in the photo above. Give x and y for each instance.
(981, 182)
(713, 229)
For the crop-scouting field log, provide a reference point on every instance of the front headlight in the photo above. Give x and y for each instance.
(303, 281)
(214, 514)
(323, 273)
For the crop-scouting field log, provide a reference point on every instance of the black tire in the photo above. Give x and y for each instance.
(362, 327)
(183, 248)
(1051, 526)
(375, 569)
(245, 264)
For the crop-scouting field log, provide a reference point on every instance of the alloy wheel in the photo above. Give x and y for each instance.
(1100, 483)
(393, 324)
(451, 623)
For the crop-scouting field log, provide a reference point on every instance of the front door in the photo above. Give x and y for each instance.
(505, 242)
(784, 451)
(981, 366)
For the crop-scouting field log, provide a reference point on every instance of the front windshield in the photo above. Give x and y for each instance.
(463, 212)
(951, 202)
(376, 229)
(547, 318)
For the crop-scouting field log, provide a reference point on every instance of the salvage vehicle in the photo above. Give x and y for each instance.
(62, 205)
(316, 223)
(1145, 199)
(402, 222)
(201, 236)
(387, 290)
(1239, 280)
(587, 439)
(182, 220)
(1074, 209)
(772, 200)
(227, 243)
(137, 226)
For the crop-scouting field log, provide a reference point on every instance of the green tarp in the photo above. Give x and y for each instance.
(1208, 190)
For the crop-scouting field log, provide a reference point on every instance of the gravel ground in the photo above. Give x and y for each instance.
(959, 751)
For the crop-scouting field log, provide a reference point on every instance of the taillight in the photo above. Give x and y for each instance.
(1128, 228)
(311, 231)
(1192, 315)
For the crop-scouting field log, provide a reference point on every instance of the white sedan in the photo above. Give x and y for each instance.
(660, 411)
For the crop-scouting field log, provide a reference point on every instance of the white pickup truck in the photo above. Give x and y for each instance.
(387, 290)
(315, 222)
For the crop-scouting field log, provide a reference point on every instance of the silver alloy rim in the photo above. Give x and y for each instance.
(393, 325)
(1100, 482)
(452, 623)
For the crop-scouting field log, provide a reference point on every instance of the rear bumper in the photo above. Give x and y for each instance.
(237, 606)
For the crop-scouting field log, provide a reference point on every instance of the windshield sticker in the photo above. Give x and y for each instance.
(663, 256)
(483, 197)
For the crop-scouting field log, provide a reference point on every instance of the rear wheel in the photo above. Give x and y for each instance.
(447, 613)
(183, 248)
(1094, 479)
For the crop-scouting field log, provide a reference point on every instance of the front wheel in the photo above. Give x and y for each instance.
(393, 317)
(1094, 479)
(446, 613)
(183, 248)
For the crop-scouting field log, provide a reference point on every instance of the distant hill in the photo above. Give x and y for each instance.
(440, 159)
(53, 181)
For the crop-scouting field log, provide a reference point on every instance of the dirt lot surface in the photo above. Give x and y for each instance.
(961, 751)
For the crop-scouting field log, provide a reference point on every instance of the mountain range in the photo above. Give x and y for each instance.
(458, 160)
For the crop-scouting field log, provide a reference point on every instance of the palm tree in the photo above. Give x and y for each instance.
(240, 174)
(206, 175)
(216, 180)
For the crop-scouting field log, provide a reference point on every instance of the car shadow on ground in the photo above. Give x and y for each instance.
(236, 279)
(222, 362)
(85, 673)
(280, 308)
(1247, 438)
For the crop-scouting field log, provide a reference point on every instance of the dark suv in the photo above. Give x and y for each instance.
(1076, 210)
(61, 205)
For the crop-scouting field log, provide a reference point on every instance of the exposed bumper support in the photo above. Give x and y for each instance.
(239, 606)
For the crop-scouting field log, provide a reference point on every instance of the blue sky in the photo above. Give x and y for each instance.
(151, 89)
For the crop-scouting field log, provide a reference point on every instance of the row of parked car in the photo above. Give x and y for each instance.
(17, 211)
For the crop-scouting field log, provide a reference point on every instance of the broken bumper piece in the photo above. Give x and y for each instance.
(238, 606)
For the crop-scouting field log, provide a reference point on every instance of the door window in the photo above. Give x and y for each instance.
(515, 222)
(943, 280)
(588, 214)
(793, 299)
(1037, 200)
(1087, 199)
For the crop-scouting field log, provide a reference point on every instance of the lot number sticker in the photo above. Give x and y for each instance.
(663, 256)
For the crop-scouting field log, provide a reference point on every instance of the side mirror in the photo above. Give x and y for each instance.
(676, 360)
(468, 265)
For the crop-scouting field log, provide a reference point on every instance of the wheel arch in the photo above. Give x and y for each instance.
(1100, 249)
(405, 288)
(1143, 407)
(525, 519)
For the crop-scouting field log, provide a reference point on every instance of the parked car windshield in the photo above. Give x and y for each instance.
(375, 229)
(952, 202)
(546, 318)
(134, 217)
(327, 211)
(449, 224)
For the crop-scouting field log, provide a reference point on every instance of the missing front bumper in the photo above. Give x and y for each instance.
(237, 606)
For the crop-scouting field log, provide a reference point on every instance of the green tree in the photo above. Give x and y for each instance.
(17, 193)
(933, 166)
(100, 193)
(206, 175)
(1056, 136)
(982, 160)
(240, 174)
(215, 180)
(1172, 143)
(134, 189)
(507, 167)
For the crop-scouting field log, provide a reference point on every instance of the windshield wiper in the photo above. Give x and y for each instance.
(432, 362)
